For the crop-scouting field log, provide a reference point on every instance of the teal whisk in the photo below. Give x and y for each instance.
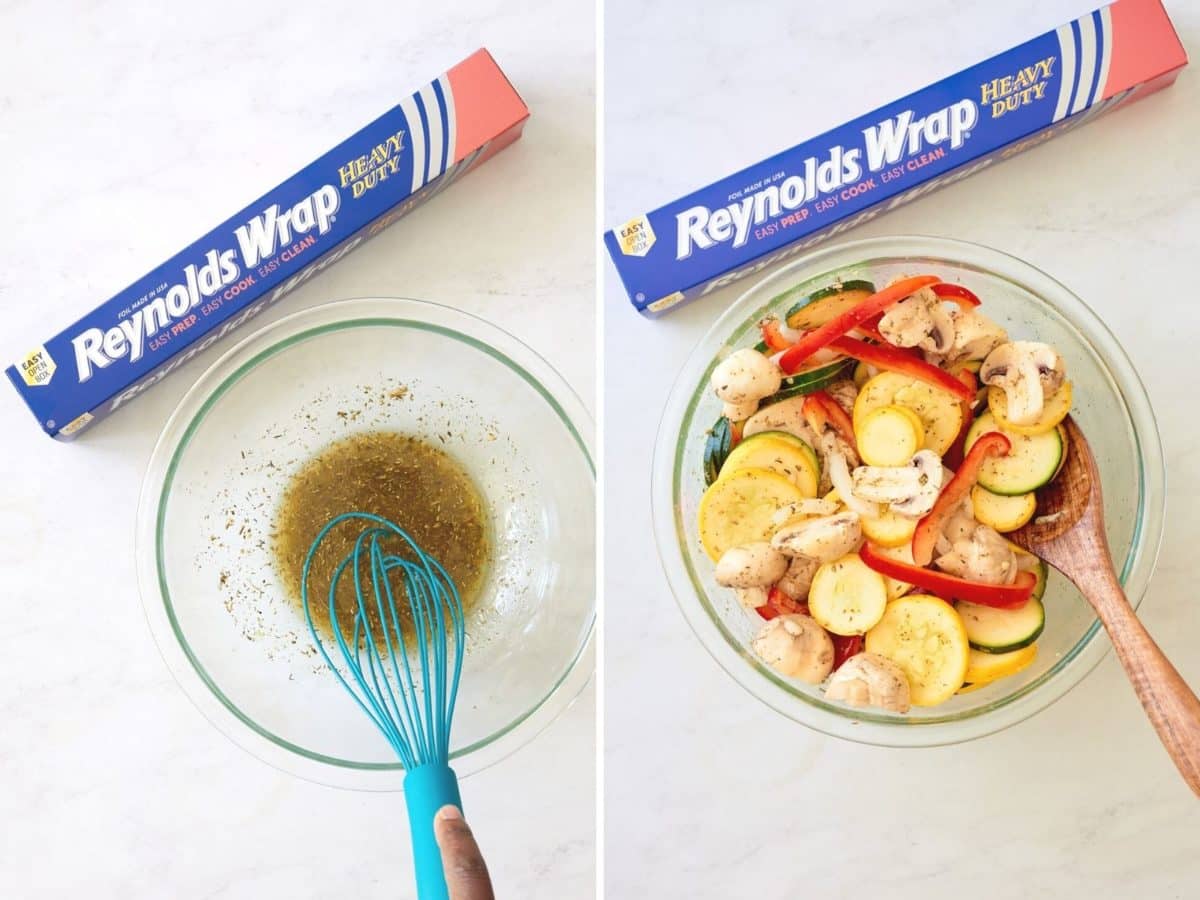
(409, 689)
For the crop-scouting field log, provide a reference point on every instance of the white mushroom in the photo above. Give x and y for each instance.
(1027, 372)
(845, 392)
(746, 375)
(909, 490)
(869, 679)
(751, 598)
(975, 335)
(798, 578)
(796, 646)
(959, 525)
(786, 415)
(984, 556)
(823, 539)
(920, 321)
(750, 565)
(738, 412)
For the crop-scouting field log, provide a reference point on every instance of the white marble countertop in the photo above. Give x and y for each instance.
(709, 793)
(124, 134)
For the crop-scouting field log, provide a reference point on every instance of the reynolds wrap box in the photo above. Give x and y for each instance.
(782, 206)
(310, 221)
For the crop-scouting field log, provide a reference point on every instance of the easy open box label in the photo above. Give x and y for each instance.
(782, 206)
(309, 222)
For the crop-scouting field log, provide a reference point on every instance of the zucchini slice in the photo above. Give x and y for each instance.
(1057, 408)
(779, 452)
(993, 630)
(810, 380)
(828, 303)
(1002, 513)
(846, 596)
(1032, 462)
(1042, 571)
(984, 668)
(740, 509)
(716, 449)
(940, 412)
(925, 637)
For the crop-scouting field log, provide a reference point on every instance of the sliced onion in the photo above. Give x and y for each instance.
(839, 474)
(788, 333)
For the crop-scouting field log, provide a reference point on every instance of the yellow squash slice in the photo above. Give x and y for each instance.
(925, 637)
(1056, 408)
(889, 436)
(846, 597)
(940, 411)
(740, 508)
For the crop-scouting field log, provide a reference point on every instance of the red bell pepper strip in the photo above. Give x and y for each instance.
(965, 298)
(884, 356)
(821, 410)
(845, 647)
(954, 456)
(950, 587)
(780, 604)
(870, 328)
(878, 302)
(925, 537)
(772, 337)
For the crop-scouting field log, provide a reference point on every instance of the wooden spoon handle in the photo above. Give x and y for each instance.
(1170, 704)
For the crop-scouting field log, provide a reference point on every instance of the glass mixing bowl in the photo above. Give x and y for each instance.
(1111, 407)
(216, 605)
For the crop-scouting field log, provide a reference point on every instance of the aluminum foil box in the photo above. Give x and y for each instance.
(310, 221)
(780, 207)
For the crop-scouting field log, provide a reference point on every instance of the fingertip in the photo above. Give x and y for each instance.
(448, 813)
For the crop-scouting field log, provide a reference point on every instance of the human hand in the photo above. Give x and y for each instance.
(466, 872)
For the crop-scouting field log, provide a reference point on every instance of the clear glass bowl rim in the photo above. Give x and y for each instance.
(859, 726)
(226, 371)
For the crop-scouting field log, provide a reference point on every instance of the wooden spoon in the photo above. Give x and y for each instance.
(1067, 531)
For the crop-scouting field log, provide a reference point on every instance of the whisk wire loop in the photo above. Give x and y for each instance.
(410, 694)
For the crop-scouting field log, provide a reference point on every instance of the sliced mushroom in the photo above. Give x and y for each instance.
(739, 412)
(920, 321)
(959, 525)
(909, 490)
(746, 375)
(750, 565)
(796, 646)
(975, 336)
(845, 392)
(751, 598)
(803, 509)
(984, 556)
(868, 679)
(823, 539)
(798, 578)
(786, 415)
(1027, 372)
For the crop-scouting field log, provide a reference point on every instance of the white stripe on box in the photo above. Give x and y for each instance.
(451, 127)
(433, 114)
(1087, 63)
(1066, 69)
(1106, 33)
(417, 138)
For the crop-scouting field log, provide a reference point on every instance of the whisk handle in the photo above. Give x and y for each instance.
(426, 790)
